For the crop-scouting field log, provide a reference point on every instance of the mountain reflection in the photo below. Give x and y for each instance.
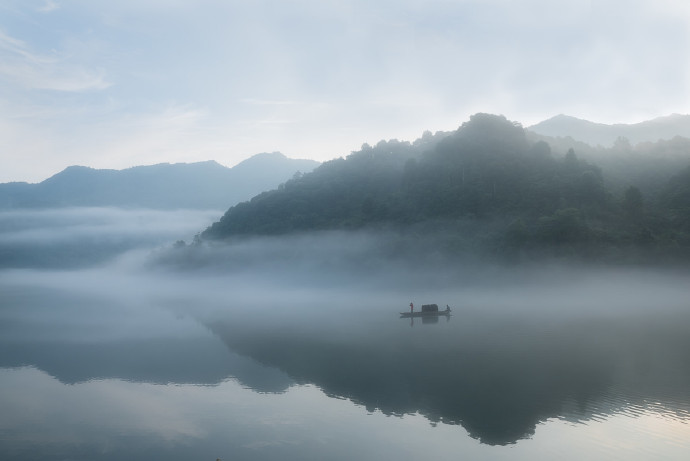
(497, 372)
(497, 377)
(76, 339)
(157, 362)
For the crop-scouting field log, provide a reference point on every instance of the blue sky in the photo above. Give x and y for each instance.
(112, 84)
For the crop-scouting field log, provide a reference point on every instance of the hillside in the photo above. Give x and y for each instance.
(203, 185)
(483, 188)
(646, 165)
(606, 135)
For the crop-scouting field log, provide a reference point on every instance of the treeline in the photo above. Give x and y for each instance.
(487, 188)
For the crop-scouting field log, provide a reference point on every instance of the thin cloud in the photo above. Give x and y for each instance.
(170, 134)
(49, 6)
(316, 79)
(24, 67)
(268, 102)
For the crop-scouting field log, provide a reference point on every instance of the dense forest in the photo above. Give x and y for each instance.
(494, 189)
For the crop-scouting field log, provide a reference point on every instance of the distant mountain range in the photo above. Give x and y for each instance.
(202, 185)
(605, 135)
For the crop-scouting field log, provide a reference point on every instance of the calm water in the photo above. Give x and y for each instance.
(122, 362)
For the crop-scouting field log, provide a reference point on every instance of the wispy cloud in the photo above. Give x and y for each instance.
(48, 142)
(49, 6)
(269, 102)
(113, 84)
(32, 70)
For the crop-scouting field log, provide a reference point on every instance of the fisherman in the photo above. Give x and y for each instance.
(411, 307)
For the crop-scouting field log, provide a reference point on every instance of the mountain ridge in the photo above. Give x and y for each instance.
(593, 133)
(206, 184)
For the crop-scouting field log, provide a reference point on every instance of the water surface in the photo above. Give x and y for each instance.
(127, 361)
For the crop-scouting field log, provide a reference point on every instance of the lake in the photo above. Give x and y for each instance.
(125, 359)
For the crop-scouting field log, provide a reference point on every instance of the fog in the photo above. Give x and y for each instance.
(80, 237)
(522, 344)
(328, 272)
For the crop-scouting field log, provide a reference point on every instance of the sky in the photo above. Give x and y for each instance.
(114, 84)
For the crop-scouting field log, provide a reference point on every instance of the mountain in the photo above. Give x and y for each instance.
(202, 185)
(606, 135)
(486, 167)
(486, 188)
(646, 165)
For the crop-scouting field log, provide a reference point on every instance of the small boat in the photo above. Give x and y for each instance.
(428, 310)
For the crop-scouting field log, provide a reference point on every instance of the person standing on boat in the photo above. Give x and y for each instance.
(411, 307)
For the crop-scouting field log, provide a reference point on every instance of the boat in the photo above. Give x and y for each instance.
(428, 310)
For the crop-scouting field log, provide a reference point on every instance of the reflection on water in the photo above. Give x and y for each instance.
(498, 378)
(78, 338)
(206, 370)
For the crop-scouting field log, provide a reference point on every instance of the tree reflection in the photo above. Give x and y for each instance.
(498, 378)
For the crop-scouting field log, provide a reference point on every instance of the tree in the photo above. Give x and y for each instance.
(565, 226)
(622, 144)
(633, 203)
(570, 161)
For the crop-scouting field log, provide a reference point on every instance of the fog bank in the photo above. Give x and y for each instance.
(82, 237)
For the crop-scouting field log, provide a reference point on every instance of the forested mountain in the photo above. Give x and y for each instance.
(606, 135)
(203, 185)
(646, 165)
(485, 187)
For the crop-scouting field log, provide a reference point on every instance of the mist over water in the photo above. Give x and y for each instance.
(81, 237)
(295, 347)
